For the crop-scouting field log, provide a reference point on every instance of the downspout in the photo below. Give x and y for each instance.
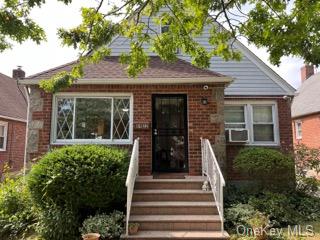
(27, 131)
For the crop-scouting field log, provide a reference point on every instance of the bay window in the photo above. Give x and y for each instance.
(256, 120)
(3, 135)
(86, 119)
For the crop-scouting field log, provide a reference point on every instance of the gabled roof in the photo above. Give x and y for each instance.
(307, 100)
(13, 103)
(252, 76)
(111, 70)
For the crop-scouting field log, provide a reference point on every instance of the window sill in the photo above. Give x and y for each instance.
(124, 142)
(253, 144)
(3, 150)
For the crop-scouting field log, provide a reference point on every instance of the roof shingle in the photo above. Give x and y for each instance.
(307, 100)
(111, 68)
(12, 99)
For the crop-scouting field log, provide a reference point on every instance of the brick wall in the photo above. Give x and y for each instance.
(14, 154)
(203, 120)
(310, 131)
(285, 129)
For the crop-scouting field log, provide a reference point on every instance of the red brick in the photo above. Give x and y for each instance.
(14, 154)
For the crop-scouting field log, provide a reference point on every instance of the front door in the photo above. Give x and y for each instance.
(169, 130)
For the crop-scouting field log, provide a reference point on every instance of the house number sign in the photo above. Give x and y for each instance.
(142, 126)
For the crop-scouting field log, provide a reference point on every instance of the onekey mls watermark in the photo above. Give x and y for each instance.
(290, 231)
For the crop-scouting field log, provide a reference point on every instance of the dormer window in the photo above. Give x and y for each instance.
(164, 28)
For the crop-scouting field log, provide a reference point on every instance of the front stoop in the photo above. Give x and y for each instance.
(185, 235)
(174, 209)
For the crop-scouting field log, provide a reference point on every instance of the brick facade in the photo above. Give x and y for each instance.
(310, 130)
(285, 132)
(203, 120)
(13, 156)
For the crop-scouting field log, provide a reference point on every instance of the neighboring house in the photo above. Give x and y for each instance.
(306, 109)
(169, 107)
(13, 121)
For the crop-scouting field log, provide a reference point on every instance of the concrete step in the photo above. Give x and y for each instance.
(172, 195)
(177, 222)
(190, 183)
(185, 235)
(173, 207)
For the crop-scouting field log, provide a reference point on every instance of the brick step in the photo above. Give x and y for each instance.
(173, 207)
(185, 235)
(147, 183)
(172, 195)
(177, 222)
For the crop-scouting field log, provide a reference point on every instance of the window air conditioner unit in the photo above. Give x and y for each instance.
(238, 135)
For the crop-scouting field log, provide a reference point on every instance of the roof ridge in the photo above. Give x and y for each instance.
(4, 75)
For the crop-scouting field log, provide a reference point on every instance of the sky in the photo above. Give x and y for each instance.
(36, 58)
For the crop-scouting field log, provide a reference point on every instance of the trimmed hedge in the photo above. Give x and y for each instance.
(79, 180)
(270, 168)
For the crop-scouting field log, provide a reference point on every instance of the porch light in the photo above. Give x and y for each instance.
(125, 109)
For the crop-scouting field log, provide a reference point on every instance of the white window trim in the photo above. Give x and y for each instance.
(55, 141)
(249, 120)
(296, 129)
(5, 125)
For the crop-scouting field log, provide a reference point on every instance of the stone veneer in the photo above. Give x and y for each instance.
(34, 126)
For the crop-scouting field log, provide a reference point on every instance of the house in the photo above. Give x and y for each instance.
(181, 122)
(306, 109)
(13, 121)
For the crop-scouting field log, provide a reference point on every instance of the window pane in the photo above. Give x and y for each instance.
(1, 131)
(165, 29)
(1, 142)
(299, 129)
(93, 118)
(65, 118)
(121, 118)
(234, 114)
(262, 114)
(263, 132)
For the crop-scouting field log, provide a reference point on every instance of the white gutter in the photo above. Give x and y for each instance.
(140, 81)
(27, 132)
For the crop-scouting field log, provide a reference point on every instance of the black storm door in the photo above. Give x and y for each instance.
(169, 131)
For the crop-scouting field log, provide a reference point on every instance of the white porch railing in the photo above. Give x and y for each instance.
(131, 178)
(211, 169)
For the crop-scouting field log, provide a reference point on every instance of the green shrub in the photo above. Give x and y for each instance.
(239, 193)
(238, 214)
(108, 226)
(58, 223)
(270, 168)
(308, 185)
(306, 159)
(17, 215)
(79, 179)
(285, 209)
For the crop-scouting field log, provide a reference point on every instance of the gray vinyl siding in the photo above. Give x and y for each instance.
(249, 79)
